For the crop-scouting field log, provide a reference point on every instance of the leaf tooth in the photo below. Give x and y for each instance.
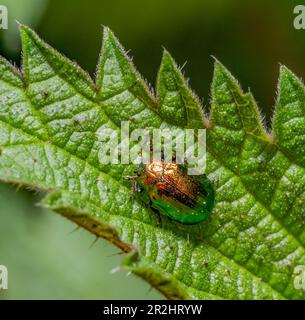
(41, 62)
(231, 108)
(290, 87)
(289, 115)
(10, 74)
(14, 109)
(116, 72)
(178, 104)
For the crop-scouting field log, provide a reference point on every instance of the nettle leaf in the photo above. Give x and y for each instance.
(253, 240)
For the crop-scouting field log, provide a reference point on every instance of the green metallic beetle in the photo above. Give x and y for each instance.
(169, 190)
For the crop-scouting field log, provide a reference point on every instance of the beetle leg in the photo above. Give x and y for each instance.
(131, 177)
(133, 182)
(134, 188)
(152, 195)
(157, 214)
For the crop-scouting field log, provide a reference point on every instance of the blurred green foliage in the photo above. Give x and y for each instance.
(27, 12)
(47, 258)
(250, 37)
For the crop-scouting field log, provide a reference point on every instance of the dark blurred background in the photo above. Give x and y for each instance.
(250, 37)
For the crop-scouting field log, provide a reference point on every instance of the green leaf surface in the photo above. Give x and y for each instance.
(50, 116)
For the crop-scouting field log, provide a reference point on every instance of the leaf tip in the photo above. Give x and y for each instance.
(106, 31)
(109, 36)
(219, 68)
(27, 35)
(223, 75)
(285, 72)
(287, 75)
(288, 85)
(167, 63)
(24, 29)
(166, 56)
(110, 41)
